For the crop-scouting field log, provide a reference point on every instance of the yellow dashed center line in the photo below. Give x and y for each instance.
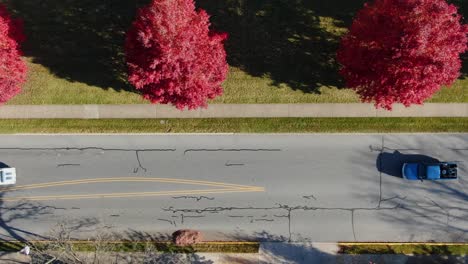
(127, 179)
(225, 188)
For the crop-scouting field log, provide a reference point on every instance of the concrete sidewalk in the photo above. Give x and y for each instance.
(230, 111)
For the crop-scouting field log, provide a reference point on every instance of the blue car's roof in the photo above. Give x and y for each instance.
(433, 172)
(411, 171)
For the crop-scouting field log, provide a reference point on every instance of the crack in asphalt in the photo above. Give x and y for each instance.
(380, 167)
(139, 163)
(137, 151)
(380, 174)
(169, 221)
(309, 197)
(380, 149)
(352, 225)
(197, 198)
(281, 216)
(227, 164)
(279, 207)
(289, 225)
(393, 198)
(190, 216)
(228, 150)
(68, 164)
(288, 208)
(20, 207)
(264, 219)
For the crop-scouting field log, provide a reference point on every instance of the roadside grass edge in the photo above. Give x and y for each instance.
(238, 125)
(413, 248)
(140, 246)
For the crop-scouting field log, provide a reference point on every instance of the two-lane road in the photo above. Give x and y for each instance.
(270, 187)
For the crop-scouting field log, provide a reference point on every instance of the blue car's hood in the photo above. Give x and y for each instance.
(410, 171)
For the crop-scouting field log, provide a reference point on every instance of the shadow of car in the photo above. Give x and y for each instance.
(392, 163)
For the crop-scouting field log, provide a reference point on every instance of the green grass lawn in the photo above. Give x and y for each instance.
(140, 246)
(405, 248)
(236, 125)
(279, 51)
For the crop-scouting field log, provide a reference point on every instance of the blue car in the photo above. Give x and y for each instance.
(430, 171)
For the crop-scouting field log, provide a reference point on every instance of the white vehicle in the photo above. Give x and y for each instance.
(7, 176)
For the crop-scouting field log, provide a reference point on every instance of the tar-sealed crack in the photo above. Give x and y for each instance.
(139, 163)
(137, 151)
(197, 198)
(308, 197)
(24, 206)
(352, 224)
(381, 149)
(67, 164)
(264, 219)
(228, 164)
(230, 150)
(172, 222)
(287, 208)
(278, 207)
(183, 217)
(380, 168)
(396, 197)
(380, 174)
(289, 225)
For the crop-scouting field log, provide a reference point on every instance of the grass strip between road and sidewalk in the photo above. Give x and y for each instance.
(404, 248)
(142, 246)
(236, 125)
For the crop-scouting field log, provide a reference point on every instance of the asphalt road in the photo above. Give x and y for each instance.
(321, 188)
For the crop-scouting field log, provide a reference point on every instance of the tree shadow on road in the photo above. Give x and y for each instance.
(22, 210)
(391, 163)
(13, 238)
(277, 249)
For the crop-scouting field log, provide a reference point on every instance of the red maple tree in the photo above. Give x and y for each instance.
(172, 55)
(12, 68)
(402, 51)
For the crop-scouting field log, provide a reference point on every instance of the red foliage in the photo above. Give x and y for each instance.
(402, 50)
(12, 68)
(172, 55)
